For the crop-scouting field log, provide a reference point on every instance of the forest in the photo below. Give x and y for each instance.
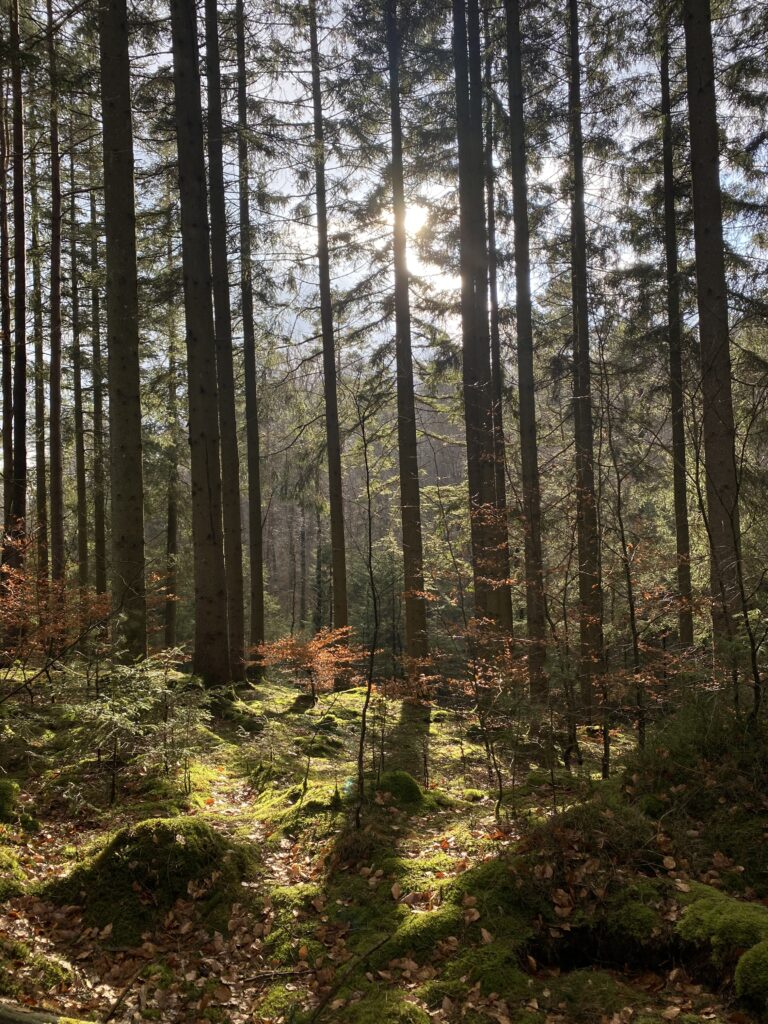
(384, 578)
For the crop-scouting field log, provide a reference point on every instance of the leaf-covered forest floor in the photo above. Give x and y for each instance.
(253, 897)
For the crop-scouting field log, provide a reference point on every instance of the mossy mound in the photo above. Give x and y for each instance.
(752, 977)
(12, 878)
(589, 995)
(722, 926)
(145, 868)
(39, 972)
(377, 1005)
(9, 796)
(401, 786)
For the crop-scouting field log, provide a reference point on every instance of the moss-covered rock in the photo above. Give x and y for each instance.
(722, 925)
(9, 796)
(12, 877)
(380, 1005)
(402, 787)
(145, 868)
(752, 977)
(588, 995)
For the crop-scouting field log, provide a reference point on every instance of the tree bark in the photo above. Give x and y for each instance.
(56, 442)
(529, 454)
(590, 583)
(5, 300)
(77, 371)
(211, 655)
(722, 484)
(172, 523)
(410, 496)
(13, 553)
(255, 535)
(230, 459)
(333, 436)
(41, 457)
(490, 545)
(97, 379)
(126, 479)
(675, 331)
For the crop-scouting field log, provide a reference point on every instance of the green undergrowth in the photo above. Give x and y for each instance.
(24, 971)
(12, 876)
(145, 868)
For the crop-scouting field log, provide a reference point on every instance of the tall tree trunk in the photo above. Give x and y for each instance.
(490, 545)
(410, 497)
(77, 370)
(97, 378)
(58, 549)
(497, 369)
(590, 584)
(5, 299)
(255, 535)
(172, 524)
(674, 329)
(722, 484)
(126, 478)
(333, 436)
(13, 554)
(529, 454)
(230, 459)
(41, 482)
(211, 655)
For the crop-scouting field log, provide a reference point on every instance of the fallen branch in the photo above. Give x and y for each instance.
(12, 1014)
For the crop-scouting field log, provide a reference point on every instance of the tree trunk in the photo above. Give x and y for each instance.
(230, 459)
(5, 300)
(529, 455)
(77, 370)
(674, 328)
(56, 442)
(410, 497)
(497, 369)
(211, 655)
(172, 524)
(255, 535)
(41, 482)
(722, 484)
(13, 553)
(490, 545)
(333, 437)
(590, 584)
(97, 379)
(126, 479)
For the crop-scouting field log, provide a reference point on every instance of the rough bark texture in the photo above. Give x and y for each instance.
(77, 372)
(126, 480)
(255, 536)
(674, 330)
(41, 454)
(172, 524)
(5, 299)
(97, 378)
(490, 546)
(13, 554)
(230, 459)
(590, 584)
(211, 655)
(722, 485)
(410, 498)
(529, 456)
(58, 552)
(333, 437)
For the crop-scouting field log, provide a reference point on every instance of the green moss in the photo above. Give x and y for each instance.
(380, 1005)
(494, 967)
(633, 916)
(9, 796)
(145, 868)
(403, 788)
(433, 992)
(752, 977)
(589, 995)
(39, 972)
(12, 877)
(723, 925)
(473, 796)
(279, 1002)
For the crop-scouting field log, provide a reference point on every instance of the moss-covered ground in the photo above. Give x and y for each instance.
(240, 890)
